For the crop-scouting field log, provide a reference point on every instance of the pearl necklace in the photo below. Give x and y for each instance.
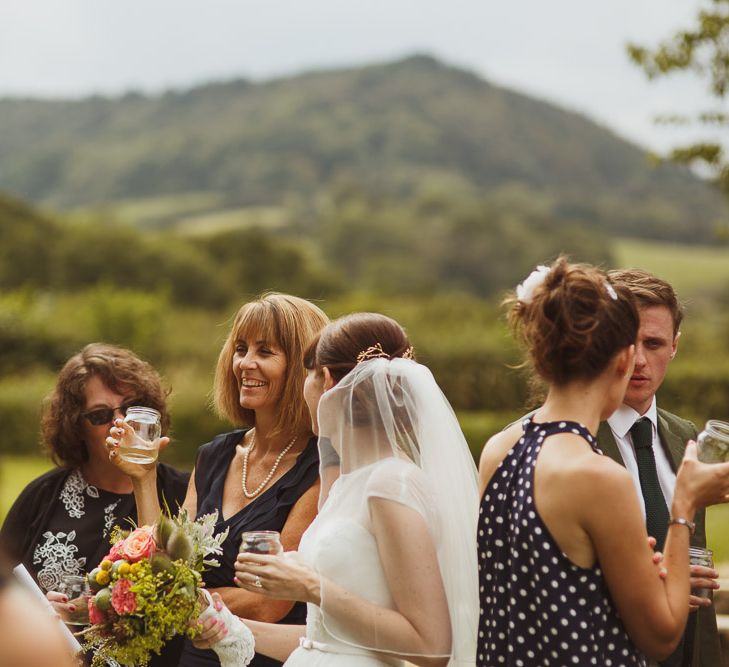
(246, 454)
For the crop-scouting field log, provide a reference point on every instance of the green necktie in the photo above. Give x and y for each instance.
(656, 512)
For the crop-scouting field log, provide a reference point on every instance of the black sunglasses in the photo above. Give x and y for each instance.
(106, 415)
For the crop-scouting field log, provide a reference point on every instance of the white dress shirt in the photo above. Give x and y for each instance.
(620, 422)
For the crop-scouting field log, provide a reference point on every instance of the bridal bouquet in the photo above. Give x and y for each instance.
(146, 589)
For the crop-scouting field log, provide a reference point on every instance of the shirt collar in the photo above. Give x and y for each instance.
(624, 417)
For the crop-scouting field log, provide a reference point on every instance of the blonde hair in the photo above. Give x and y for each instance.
(291, 323)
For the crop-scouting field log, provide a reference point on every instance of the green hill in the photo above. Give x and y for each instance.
(392, 129)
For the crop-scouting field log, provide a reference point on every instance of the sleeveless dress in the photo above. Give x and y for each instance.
(537, 607)
(341, 547)
(268, 511)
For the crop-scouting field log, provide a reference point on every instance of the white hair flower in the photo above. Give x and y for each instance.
(525, 289)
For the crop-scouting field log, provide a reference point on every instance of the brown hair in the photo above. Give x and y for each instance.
(338, 347)
(288, 321)
(121, 371)
(572, 326)
(650, 290)
(341, 342)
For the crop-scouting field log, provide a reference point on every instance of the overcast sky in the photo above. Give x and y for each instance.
(571, 52)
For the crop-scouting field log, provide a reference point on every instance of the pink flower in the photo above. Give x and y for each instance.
(116, 552)
(95, 615)
(122, 599)
(139, 544)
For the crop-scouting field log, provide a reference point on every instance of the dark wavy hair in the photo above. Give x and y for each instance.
(121, 371)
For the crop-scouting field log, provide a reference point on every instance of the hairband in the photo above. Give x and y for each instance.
(376, 352)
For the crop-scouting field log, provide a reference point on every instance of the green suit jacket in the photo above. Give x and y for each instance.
(674, 432)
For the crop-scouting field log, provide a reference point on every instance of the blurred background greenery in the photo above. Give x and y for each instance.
(412, 188)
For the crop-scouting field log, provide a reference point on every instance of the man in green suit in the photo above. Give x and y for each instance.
(660, 319)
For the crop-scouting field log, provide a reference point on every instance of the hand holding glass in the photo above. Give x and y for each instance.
(144, 447)
(705, 558)
(76, 588)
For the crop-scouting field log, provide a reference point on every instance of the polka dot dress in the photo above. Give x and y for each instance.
(537, 607)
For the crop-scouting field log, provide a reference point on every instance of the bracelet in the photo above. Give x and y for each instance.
(684, 522)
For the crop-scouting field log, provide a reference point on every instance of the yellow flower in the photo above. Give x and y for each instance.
(103, 577)
(124, 569)
(135, 567)
(106, 564)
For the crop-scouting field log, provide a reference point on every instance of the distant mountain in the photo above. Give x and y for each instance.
(390, 128)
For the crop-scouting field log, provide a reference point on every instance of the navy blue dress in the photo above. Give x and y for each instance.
(268, 511)
(537, 607)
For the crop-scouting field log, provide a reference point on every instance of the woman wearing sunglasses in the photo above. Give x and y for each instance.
(60, 523)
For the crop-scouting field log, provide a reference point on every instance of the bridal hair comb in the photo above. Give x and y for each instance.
(372, 352)
(376, 352)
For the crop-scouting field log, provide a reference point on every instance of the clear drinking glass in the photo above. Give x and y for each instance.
(713, 442)
(705, 557)
(261, 542)
(77, 589)
(147, 429)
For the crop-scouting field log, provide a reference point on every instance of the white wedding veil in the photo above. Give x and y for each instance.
(397, 438)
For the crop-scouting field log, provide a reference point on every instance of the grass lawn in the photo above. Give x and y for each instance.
(688, 268)
(15, 473)
(717, 529)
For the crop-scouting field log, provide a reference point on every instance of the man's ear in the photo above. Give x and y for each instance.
(674, 345)
(625, 361)
(328, 379)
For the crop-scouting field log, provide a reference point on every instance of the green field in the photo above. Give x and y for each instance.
(690, 269)
(17, 471)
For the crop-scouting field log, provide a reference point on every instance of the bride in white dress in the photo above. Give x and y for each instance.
(388, 567)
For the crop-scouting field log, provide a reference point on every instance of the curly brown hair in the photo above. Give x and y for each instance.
(121, 371)
(574, 323)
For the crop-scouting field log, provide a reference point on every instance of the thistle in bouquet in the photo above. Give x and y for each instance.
(147, 588)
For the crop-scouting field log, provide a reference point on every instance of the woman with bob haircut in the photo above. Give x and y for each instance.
(567, 576)
(263, 475)
(388, 566)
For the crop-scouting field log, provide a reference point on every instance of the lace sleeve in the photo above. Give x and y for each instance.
(238, 647)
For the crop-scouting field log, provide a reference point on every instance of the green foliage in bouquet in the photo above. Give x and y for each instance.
(146, 589)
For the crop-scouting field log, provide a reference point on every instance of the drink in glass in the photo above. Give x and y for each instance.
(76, 588)
(144, 447)
(261, 542)
(705, 557)
(713, 442)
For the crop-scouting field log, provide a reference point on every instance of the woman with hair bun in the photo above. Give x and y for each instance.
(567, 576)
